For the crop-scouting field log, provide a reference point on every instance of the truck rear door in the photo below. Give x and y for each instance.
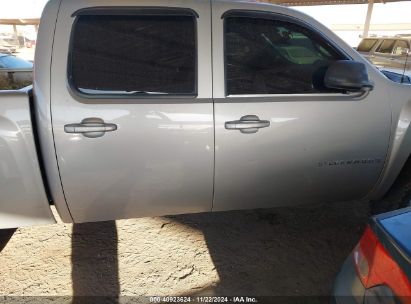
(132, 108)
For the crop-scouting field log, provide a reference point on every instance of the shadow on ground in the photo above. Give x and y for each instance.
(282, 252)
(5, 236)
(287, 251)
(95, 260)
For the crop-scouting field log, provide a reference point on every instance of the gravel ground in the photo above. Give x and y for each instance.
(283, 251)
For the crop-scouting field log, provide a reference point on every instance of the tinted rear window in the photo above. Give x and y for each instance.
(366, 45)
(134, 54)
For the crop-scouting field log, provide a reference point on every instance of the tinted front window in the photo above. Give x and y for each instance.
(366, 45)
(266, 56)
(134, 54)
(386, 46)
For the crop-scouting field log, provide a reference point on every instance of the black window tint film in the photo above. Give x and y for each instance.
(134, 54)
(386, 46)
(265, 56)
(366, 45)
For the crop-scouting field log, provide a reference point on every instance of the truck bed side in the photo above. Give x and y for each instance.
(23, 199)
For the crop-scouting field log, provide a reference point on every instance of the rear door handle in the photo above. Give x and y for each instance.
(90, 127)
(247, 124)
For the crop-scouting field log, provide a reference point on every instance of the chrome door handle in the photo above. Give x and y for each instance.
(247, 124)
(90, 127)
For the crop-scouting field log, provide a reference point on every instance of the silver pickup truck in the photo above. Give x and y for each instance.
(145, 108)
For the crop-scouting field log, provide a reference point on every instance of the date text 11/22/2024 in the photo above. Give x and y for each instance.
(204, 299)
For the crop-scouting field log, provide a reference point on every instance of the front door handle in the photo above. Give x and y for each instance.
(90, 127)
(247, 124)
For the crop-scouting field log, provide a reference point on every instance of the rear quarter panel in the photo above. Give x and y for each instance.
(23, 201)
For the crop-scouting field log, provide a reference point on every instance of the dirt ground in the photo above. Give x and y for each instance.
(288, 251)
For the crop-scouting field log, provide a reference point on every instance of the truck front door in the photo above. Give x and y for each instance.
(282, 137)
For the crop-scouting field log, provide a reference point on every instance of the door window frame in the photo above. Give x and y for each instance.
(278, 17)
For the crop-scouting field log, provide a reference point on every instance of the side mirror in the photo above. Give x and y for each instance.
(348, 75)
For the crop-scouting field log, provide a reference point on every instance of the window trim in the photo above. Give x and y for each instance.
(279, 17)
(131, 11)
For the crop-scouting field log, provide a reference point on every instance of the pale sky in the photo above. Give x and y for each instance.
(15, 9)
(395, 12)
(398, 12)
